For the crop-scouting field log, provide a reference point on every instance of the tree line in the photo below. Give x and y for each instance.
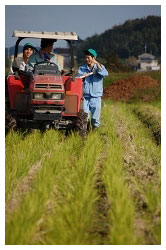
(124, 42)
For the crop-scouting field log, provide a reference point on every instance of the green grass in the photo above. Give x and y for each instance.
(156, 75)
(104, 190)
(151, 116)
(73, 212)
(73, 179)
(113, 77)
(142, 163)
(20, 155)
(33, 202)
(121, 214)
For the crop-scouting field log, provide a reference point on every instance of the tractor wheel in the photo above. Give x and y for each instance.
(81, 123)
(10, 123)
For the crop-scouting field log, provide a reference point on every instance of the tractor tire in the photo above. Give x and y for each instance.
(81, 123)
(10, 123)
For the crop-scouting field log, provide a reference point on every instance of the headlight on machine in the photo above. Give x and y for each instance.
(38, 96)
(47, 96)
(56, 96)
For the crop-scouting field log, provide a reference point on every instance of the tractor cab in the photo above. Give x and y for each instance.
(45, 97)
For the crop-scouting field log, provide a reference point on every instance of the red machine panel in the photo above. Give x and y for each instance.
(14, 86)
(73, 90)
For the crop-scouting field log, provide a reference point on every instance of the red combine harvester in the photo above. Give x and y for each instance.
(47, 98)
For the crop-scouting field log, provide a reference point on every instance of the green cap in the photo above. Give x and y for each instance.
(29, 45)
(91, 52)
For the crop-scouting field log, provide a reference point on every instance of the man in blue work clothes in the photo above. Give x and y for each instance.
(92, 86)
(44, 54)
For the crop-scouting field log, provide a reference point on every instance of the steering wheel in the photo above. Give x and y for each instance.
(48, 63)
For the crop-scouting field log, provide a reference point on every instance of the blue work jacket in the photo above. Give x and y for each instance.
(93, 84)
(38, 57)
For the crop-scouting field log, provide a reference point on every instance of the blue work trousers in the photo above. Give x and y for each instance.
(93, 105)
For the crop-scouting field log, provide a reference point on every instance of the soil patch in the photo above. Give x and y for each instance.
(126, 89)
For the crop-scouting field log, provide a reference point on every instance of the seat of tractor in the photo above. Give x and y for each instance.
(16, 64)
(26, 78)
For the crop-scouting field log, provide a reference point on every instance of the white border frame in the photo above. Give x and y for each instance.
(163, 113)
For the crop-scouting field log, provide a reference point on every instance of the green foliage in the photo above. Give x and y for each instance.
(74, 193)
(104, 190)
(156, 75)
(142, 162)
(7, 65)
(20, 155)
(126, 40)
(151, 116)
(116, 76)
(121, 215)
(7, 62)
(114, 64)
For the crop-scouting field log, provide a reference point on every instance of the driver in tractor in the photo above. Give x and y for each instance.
(44, 54)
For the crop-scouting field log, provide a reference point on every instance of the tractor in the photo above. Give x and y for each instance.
(45, 98)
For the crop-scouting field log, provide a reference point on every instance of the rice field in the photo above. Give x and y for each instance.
(103, 190)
